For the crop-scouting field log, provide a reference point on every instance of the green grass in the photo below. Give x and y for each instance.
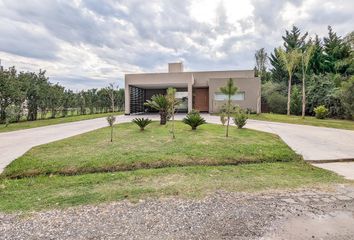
(47, 122)
(153, 148)
(47, 192)
(331, 123)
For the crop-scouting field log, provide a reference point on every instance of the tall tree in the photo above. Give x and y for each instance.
(336, 50)
(278, 71)
(317, 61)
(293, 39)
(230, 89)
(290, 60)
(261, 57)
(305, 60)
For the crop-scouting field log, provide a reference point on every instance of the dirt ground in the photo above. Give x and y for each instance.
(302, 214)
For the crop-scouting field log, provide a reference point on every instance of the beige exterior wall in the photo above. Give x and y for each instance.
(250, 86)
(175, 67)
(244, 80)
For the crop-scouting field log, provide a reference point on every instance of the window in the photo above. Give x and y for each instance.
(240, 96)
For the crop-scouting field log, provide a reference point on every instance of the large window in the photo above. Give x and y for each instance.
(182, 96)
(240, 96)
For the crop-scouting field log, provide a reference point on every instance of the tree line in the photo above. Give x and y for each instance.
(30, 96)
(308, 72)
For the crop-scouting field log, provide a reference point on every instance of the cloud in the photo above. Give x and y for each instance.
(87, 43)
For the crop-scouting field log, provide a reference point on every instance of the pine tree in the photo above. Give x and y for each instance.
(293, 39)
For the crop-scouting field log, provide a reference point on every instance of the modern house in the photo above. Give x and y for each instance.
(196, 90)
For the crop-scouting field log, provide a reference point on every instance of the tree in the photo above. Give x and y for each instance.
(261, 63)
(160, 103)
(278, 71)
(317, 61)
(171, 97)
(305, 60)
(290, 60)
(111, 118)
(347, 97)
(336, 52)
(228, 90)
(293, 39)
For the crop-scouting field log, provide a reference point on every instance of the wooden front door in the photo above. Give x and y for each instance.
(201, 99)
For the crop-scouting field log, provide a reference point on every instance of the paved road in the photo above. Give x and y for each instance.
(313, 143)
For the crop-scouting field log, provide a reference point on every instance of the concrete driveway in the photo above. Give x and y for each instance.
(315, 144)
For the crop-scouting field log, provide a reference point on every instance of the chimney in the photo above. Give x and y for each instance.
(175, 67)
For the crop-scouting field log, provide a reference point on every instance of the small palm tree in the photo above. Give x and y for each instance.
(194, 120)
(142, 122)
(228, 90)
(160, 103)
(290, 60)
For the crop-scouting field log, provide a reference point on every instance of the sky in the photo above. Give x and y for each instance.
(86, 44)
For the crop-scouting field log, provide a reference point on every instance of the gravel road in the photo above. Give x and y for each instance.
(303, 214)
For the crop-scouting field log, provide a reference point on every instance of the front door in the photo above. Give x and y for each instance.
(201, 99)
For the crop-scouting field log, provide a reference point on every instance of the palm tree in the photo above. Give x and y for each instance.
(290, 60)
(305, 59)
(160, 103)
(229, 90)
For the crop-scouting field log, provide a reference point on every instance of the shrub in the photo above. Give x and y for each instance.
(347, 97)
(223, 118)
(321, 112)
(296, 100)
(240, 118)
(194, 119)
(277, 103)
(142, 122)
(322, 90)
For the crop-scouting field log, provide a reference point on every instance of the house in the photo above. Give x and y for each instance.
(196, 90)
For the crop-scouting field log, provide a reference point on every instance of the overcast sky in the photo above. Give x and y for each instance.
(90, 43)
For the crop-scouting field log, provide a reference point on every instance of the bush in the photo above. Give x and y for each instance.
(321, 112)
(240, 118)
(194, 119)
(142, 122)
(223, 118)
(323, 90)
(347, 97)
(296, 100)
(277, 103)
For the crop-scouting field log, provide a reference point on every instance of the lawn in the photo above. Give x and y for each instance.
(57, 191)
(154, 148)
(46, 122)
(331, 123)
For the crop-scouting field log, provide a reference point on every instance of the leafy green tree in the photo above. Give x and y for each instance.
(261, 57)
(230, 89)
(336, 52)
(347, 97)
(9, 91)
(290, 60)
(317, 61)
